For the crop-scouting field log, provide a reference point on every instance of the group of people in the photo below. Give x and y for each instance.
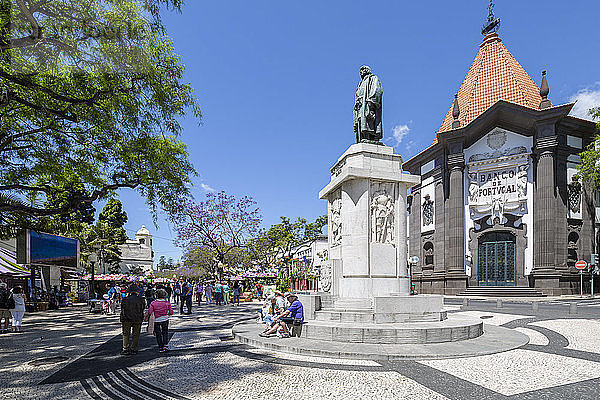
(219, 293)
(283, 315)
(12, 307)
(153, 304)
(145, 304)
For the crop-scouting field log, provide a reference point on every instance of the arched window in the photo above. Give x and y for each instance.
(428, 253)
(572, 255)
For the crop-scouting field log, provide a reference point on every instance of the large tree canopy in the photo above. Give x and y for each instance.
(91, 88)
(213, 232)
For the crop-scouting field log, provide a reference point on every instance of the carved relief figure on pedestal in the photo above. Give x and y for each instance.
(336, 221)
(335, 206)
(326, 276)
(473, 188)
(382, 216)
(427, 211)
(522, 180)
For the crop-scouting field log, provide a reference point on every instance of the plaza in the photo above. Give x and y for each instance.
(438, 242)
(71, 354)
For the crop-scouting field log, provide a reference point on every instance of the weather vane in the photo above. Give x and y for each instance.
(492, 24)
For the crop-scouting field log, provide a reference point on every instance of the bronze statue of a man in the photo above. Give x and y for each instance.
(367, 108)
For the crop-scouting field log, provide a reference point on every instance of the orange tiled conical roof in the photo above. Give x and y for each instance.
(495, 75)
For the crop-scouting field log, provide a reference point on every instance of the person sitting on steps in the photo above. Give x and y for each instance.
(294, 316)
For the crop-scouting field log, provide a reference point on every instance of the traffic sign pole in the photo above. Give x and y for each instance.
(581, 265)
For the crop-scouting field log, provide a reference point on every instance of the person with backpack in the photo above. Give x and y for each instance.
(5, 305)
(17, 308)
(186, 296)
(177, 292)
(150, 295)
(132, 315)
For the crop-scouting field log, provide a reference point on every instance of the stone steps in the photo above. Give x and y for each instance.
(450, 330)
(501, 291)
(494, 340)
(369, 316)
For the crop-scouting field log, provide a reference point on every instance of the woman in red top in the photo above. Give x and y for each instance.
(161, 307)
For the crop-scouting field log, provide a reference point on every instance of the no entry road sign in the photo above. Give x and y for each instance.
(580, 264)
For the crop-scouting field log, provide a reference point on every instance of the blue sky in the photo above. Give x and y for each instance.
(276, 82)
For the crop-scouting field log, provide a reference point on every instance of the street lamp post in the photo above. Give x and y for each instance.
(92, 285)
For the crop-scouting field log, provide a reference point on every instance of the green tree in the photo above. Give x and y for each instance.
(94, 89)
(259, 250)
(111, 221)
(162, 263)
(588, 172)
(287, 235)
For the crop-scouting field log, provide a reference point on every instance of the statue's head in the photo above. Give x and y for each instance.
(365, 70)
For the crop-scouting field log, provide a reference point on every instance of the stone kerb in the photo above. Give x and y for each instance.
(407, 304)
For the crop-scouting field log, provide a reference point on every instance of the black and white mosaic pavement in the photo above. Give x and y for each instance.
(70, 354)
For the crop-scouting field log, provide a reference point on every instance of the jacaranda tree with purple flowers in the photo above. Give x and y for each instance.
(216, 228)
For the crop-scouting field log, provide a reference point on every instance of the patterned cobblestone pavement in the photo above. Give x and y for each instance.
(70, 354)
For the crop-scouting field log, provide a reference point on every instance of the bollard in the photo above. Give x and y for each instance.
(573, 308)
(535, 306)
(499, 303)
(465, 303)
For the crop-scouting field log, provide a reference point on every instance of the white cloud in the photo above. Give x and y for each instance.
(206, 187)
(586, 98)
(399, 132)
(410, 146)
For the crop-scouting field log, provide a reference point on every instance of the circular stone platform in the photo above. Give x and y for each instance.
(494, 340)
(452, 329)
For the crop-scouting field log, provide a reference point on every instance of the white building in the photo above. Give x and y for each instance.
(137, 254)
(313, 252)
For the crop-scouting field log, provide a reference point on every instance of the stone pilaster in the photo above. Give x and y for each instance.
(544, 272)
(439, 236)
(560, 214)
(440, 224)
(455, 260)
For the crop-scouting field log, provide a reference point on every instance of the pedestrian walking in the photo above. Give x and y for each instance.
(169, 290)
(161, 308)
(177, 291)
(226, 293)
(18, 308)
(117, 295)
(182, 293)
(150, 295)
(237, 292)
(132, 315)
(188, 291)
(112, 294)
(199, 291)
(208, 292)
(4, 308)
(218, 293)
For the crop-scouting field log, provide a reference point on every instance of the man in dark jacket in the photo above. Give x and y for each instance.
(4, 308)
(132, 316)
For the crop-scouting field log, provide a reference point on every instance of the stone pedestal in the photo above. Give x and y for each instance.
(367, 230)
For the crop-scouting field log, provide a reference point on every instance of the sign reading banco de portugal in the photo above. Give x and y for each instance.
(509, 183)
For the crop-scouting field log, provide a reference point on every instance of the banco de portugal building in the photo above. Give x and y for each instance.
(497, 204)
